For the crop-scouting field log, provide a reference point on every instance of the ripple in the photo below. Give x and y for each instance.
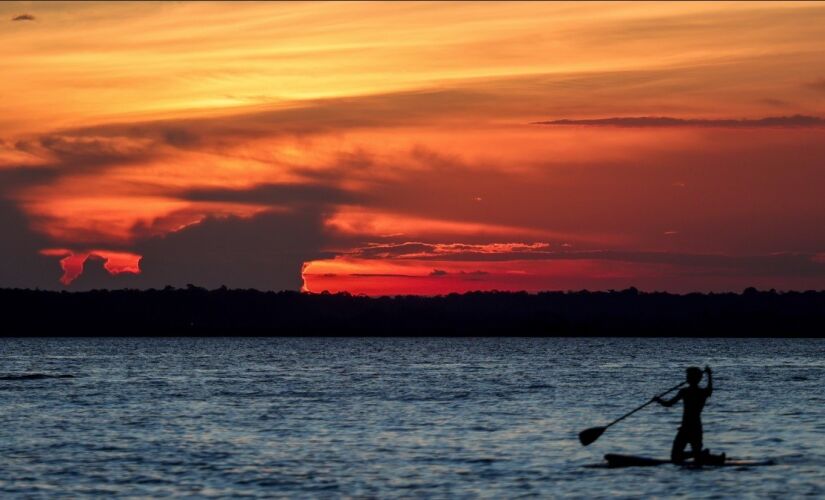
(33, 376)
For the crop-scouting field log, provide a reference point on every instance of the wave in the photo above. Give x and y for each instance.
(34, 376)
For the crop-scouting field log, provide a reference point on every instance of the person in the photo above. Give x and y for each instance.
(690, 432)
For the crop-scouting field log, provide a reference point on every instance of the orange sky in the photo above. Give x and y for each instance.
(393, 147)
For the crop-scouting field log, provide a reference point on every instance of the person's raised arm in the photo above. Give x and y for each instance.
(669, 402)
(709, 387)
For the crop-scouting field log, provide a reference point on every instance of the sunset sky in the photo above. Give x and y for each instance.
(393, 148)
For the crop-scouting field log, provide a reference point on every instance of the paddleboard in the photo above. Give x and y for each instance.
(615, 460)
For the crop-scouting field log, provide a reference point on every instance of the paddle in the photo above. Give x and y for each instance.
(587, 436)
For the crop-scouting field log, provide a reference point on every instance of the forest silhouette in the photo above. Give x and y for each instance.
(198, 311)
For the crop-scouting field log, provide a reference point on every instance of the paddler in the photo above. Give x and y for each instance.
(694, 398)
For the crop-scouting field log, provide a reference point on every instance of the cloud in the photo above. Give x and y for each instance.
(266, 252)
(47, 158)
(438, 272)
(96, 277)
(309, 117)
(21, 264)
(449, 251)
(23, 17)
(100, 147)
(274, 194)
(385, 275)
(794, 121)
(14, 179)
(551, 195)
(474, 102)
(778, 264)
(79, 150)
(818, 85)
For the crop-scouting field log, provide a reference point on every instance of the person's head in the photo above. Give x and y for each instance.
(694, 375)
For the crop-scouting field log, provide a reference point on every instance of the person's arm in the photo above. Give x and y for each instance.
(709, 388)
(669, 402)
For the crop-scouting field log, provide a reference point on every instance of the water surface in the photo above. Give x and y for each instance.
(435, 417)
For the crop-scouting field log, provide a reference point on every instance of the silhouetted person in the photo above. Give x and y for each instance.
(694, 398)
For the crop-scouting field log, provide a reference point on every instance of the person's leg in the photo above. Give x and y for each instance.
(696, 446)
(677, 453)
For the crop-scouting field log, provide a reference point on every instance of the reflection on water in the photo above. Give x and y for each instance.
(388, 417)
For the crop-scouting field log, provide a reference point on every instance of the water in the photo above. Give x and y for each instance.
(435, 417)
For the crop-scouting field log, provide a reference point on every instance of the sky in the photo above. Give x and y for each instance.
(413, 147)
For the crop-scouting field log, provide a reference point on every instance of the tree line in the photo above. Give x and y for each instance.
(198, 311)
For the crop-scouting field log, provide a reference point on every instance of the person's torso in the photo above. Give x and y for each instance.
(694, 400)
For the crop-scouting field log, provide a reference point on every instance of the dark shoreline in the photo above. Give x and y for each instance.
(196, 311)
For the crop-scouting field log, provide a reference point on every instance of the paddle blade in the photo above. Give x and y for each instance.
(587, 436)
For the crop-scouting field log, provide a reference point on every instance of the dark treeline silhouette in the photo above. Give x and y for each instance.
(197, 311)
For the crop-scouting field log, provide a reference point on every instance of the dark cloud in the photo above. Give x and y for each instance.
(663, 121)
(61, 155)
(23, 17)
(266, 252)
(14, 179)
(180, 138)
(21, 265)
(78, 149)
(96, 277)
(438, 272)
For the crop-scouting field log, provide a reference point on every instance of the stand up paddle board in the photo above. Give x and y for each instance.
(614, 460)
